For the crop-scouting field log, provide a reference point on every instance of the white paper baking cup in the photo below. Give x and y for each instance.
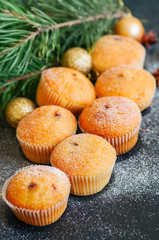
(123, 143)
(38, 154)
(83, 186)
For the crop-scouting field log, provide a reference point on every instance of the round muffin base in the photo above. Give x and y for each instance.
(125, 143)
(37, 154)
(51, 98)
(121, 144)
(37, 217)
(41, 218)
(84, 186)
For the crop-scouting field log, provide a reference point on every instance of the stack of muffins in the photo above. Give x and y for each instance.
(81, 163)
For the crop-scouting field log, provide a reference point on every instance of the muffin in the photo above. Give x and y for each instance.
(40, 131)
(87, 159)
(117, 119)
(135, 84)
(65, 87)
(37, 195)
(113, 51)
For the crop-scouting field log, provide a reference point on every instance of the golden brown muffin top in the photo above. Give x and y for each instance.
(83, 155)
(135, 84)
(69, 84)
(110, 117)
(113, 50)
(46, 126)
(38, 188)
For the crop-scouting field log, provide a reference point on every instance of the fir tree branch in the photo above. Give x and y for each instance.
(34, 38)
(16, 15)
(25, 76)
(58, 26)
(78, 21)
(64, 24)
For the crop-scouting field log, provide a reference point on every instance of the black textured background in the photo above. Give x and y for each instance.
(128, 207)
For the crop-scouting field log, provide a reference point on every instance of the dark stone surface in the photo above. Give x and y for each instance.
(128, 207)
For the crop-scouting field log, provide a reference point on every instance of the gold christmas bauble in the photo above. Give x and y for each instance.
(17, 109)
(130, 27)
(78, 59)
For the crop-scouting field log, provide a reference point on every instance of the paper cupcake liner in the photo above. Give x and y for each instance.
(84, 186)
(38, 154)
(52, 98)
(35, 217)
(123, 143)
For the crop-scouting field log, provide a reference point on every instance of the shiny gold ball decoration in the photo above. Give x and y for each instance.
(130, 27)
(17, 109)
(78, 59)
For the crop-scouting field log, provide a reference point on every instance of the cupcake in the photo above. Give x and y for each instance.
(37, 195)
(113, 51)
(40, 131)
(87, 159)
(65, 87)
(135, 84)
(117, 119)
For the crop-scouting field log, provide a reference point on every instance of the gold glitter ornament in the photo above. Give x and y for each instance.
(17, 109)
(78, 59)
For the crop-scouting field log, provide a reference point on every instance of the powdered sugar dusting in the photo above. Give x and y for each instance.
(84, 155)
(127, 208)
(41, 170)
(110, 116)
(129, 199)
(43, 127)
